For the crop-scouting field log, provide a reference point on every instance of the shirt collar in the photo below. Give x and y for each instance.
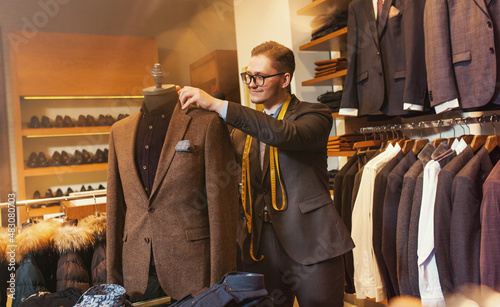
(162, 110)
(276, 111)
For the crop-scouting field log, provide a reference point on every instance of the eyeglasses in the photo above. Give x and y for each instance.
(257, 79)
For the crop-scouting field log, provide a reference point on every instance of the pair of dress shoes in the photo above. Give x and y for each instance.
(67, 121)
(48, 194)
(90, 188)
(37, 160)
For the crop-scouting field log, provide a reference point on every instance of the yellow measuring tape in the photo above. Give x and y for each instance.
(245, 179)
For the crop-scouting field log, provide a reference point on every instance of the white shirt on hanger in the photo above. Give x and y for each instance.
(367, 279)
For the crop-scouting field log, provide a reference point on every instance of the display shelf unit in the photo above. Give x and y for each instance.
(324, 80)
(55, 69)
(333, 41)
(349, 153)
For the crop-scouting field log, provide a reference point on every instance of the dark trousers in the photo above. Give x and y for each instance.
(316, 285)
(153, 289)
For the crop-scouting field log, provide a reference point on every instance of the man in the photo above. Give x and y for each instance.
(288, 229)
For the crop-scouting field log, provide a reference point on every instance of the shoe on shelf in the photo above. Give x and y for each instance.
(66, 158)
(78, 157)
(32, 160)
(101, 120)
(109, 120)
(81, 121)
(90, 188)
(90, 121)
(59, 193)
(46, 123)
(68, 122)
(37, 195)
(59, 122)
(49, 194)
(69, 191)
(42, 160)
(101, 187)
(56, 159)
(34, 122)
(87, 157)
(99, 156)
(106, 151)
(121, 116)
(83, 189)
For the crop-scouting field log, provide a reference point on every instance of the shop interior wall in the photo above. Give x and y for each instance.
(185, 30)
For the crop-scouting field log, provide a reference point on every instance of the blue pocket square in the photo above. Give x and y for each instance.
(184, 145)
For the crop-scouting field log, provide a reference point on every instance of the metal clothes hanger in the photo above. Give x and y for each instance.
(420, 143)
(439, 140)
(492, 141)
(478, 140)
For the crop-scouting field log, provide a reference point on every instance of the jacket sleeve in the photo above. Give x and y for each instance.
(308, 131)
(350, 92)
(222, 199)
(115, 212)
(438, 54)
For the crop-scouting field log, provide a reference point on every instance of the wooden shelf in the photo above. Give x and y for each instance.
(341, 153)
(65, 131)
(325, 80)
(334, 41)
(317, 7)
(67, 169)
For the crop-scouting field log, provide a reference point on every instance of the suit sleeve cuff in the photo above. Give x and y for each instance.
(348, 112)
(446, 106)
(223, 111)
(413, 107)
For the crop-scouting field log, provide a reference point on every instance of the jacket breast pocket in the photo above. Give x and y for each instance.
(195, 234)
(314, 203)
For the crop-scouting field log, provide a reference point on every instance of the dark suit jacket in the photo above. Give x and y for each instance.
(490, 241)
(310, 229)
(377, 218)
(465, 232)
(460, 41)
(390, 215)
(442, 218)
(377, 58)
(188, 222)
(404, 218)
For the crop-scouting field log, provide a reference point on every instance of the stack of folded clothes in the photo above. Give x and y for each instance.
(331, 99)
(344, 142)
(327, 67)
(327, 23)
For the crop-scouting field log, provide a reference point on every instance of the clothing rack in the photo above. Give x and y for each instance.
(440, 123)
(72, 196)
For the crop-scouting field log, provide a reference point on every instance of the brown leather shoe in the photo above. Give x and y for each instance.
(68, 122)
(69, 191)
(42, 160)
(32, 160)
(90, 121)
(81, 121)
(66, 158)
(46, 123)
(56, 159)
(59, 122)
(99, 156)
(34, 122)
(87, 157)
(78, 157)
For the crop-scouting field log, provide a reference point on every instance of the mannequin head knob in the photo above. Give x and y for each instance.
(157, 74)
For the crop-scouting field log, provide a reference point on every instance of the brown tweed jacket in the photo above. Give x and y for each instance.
(188, 222)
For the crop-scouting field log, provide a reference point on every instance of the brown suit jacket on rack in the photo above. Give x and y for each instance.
(188, 222)
(310, 229)
(460, 43)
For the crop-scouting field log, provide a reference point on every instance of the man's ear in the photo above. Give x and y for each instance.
(286, 80)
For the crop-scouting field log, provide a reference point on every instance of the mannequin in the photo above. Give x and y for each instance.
(160, 94)
(171, 219)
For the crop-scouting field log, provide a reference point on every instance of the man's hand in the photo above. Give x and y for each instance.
(191, 95)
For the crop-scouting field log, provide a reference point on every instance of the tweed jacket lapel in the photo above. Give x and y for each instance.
(289, 112)
(129, 157)
(483, 4)
(370, 20)
(176, 130)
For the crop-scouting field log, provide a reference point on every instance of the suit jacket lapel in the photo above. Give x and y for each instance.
(129, 158)
(382, 21)
(176, 130)
(370, 19)
(483, 4)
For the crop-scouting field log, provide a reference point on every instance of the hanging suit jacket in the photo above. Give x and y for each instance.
(442, 218)
(490, 234)
(189, 221)
(378, 56)
(310, 229)
(462, 51)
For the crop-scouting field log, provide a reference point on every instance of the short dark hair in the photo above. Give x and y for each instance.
(282, 57)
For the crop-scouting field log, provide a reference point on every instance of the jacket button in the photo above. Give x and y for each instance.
(489, 24)
(146, 240)
(151, 209)
(492, 50)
